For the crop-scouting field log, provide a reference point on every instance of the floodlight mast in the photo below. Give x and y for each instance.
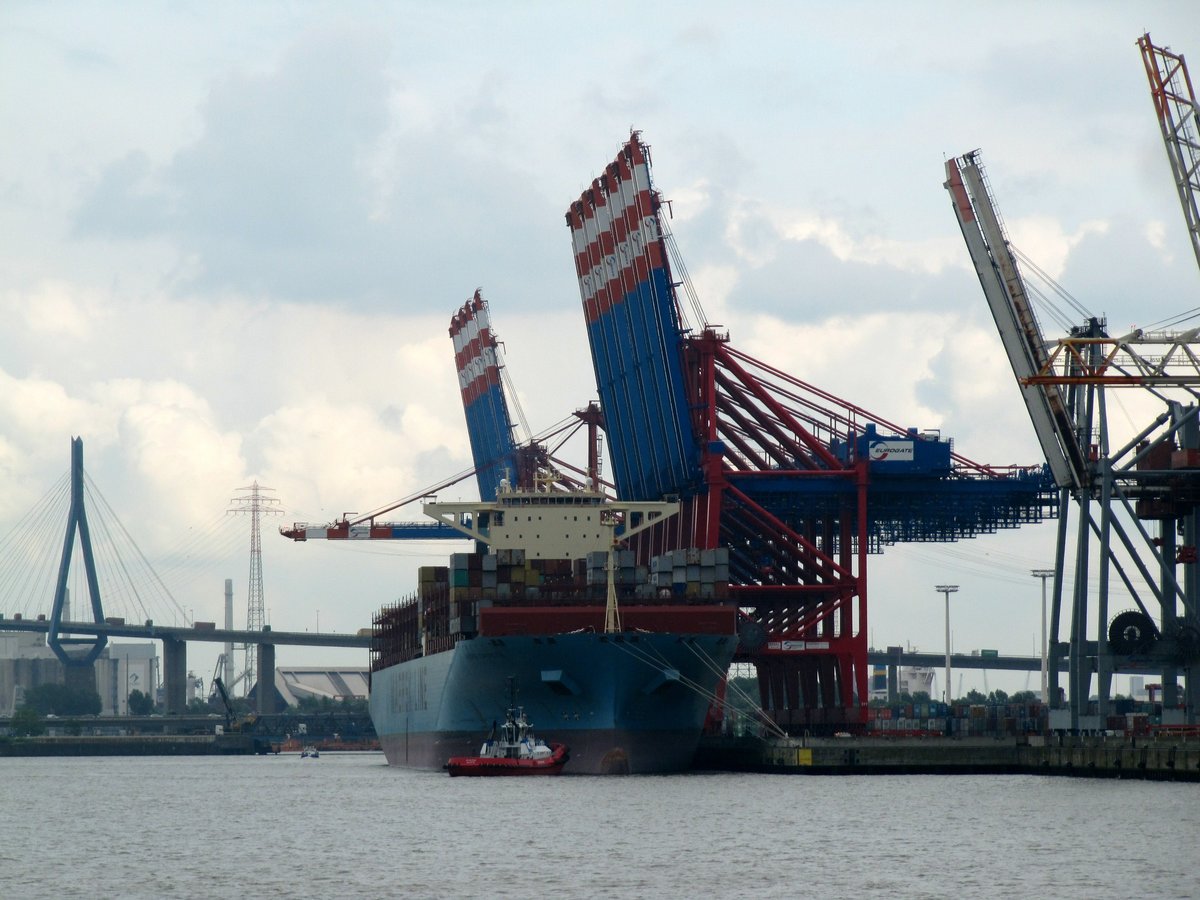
(1044, 574)
(947, 589)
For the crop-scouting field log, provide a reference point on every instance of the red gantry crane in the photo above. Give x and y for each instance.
(798, 485)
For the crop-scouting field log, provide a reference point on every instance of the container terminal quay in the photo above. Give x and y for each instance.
(901, 737)
(734, 519)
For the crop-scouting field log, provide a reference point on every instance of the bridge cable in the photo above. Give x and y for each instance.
(29, 556)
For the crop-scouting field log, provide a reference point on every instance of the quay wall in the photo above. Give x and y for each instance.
(1168, 759)
(134, 745)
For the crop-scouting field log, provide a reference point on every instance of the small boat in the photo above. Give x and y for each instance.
(310, 752)
(512, 749)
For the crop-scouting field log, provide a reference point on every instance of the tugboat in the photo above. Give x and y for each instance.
(513, 751)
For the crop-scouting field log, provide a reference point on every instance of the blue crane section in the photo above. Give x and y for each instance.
(489, 425)
(634, 329)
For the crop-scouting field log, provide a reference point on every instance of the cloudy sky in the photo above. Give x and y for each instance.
(233, 235)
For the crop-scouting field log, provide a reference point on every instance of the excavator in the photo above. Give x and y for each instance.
(233, 725)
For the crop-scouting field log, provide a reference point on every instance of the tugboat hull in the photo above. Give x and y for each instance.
(490, 766)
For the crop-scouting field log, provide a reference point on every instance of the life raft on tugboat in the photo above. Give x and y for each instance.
(512, 749)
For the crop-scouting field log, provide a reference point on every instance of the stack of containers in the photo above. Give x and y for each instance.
(446, 607)
(433, 609)
(470, 575)
(395, 635)
(692, 573)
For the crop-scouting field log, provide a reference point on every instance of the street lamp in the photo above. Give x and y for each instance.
(1044, 574)
(947, 589)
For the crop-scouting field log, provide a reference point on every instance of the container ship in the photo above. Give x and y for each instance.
(621, 662)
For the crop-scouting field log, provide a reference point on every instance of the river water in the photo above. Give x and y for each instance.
(346, 825)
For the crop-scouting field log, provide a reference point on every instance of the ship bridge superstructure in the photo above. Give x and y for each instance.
(549, 523)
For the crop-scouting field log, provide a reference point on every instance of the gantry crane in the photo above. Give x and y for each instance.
(481, 374)
(798, 485)
(1179, 118)
(1153, 477)
(1014, 316)
(497, 457)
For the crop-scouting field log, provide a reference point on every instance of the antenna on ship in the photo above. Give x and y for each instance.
(612, 616)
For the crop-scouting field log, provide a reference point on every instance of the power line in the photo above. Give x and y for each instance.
(253, 502)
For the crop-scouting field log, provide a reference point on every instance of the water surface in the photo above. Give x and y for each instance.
(347, 825)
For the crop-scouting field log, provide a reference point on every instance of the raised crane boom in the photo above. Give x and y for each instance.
(480, 368)
(1019, 330)
(1178, 116)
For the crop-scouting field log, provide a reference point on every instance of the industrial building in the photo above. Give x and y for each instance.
(319, 683)
(26, 662)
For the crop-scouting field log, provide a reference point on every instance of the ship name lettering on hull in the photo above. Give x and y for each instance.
(410, 692)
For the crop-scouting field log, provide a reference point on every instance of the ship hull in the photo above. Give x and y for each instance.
(632, 703)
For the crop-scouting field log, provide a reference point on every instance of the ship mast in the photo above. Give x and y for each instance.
(612, 616)
(638, 517)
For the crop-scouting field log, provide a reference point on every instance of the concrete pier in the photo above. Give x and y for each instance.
(1164, 758)
(139, 745)
(1161, 759)
(175, 675)
(266, 680)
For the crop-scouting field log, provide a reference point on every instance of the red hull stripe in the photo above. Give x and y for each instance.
(497, 621)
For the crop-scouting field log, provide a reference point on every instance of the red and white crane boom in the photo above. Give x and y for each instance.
(1179, 119)
(1018, 327)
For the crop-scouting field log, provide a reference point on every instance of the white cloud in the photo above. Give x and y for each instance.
(360, 460)
(38, 408)
(1045, 241)
(56, 310)
(1156, 233)
(925, 370)
(175, 448)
